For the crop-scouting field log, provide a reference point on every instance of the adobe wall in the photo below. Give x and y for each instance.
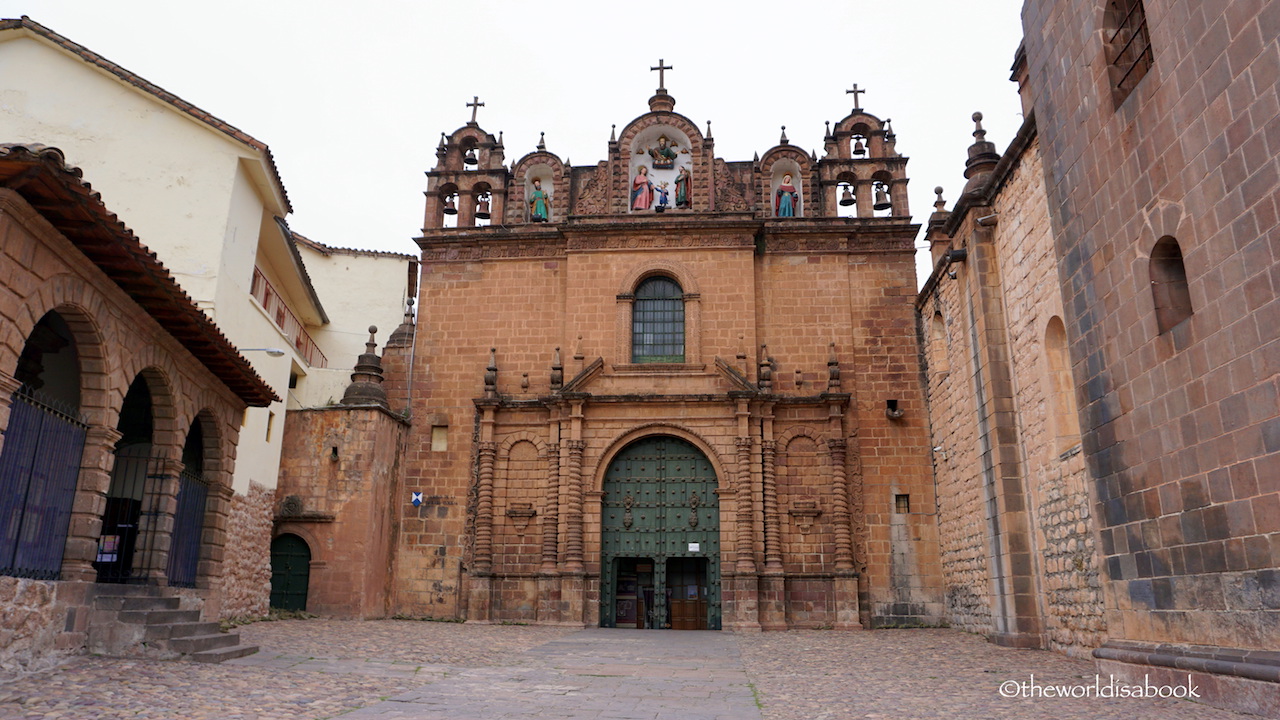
(339, 491)
(1182, 426)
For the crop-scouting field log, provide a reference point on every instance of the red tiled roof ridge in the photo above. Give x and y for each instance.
(233, 370)
(155, 90)
(325, 249)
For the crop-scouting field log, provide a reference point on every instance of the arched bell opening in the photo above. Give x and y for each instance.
(43, 445)
(448, 197)
(846, 195)
(482, 211)
(881, 199)
(470, 154)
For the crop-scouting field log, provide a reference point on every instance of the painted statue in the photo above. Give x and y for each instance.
(539, 203)
(683, 181)
(664, 156)
(787, 198)
(641, 190)
(663, 197)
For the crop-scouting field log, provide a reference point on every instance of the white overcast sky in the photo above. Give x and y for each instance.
(352, 97)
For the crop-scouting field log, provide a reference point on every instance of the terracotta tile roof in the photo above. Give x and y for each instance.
(155, 90)
(41, 176)
(324, 249)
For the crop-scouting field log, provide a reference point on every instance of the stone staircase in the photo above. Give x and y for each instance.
(144, 621)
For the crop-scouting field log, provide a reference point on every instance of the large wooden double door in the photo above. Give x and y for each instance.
(660, 544)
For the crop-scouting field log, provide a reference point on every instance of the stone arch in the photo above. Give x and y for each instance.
(797, 431)
(550, 171)
(83, 309)
(939, 344)
(621, 441)
(222, 427)
(681, 272)
(639, 131)
(504, 448)
(156, 368)
(775, 165)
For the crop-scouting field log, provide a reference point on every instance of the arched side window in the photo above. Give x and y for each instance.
(938, 344)
(1169, 287)
(657, 322)
(1060, 389)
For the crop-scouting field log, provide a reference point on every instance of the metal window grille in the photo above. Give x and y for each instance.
(1131, 54)
(39, 468)
(657, 322)
(188, 526)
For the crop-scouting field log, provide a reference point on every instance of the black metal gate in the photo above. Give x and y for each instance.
(126, 549)
(39, 467)
(188, 526)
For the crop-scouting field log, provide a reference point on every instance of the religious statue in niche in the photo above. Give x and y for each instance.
(539, 203)
(663, 197)
(664, 155)
(787, 199)
(683, 181)
(641, 190)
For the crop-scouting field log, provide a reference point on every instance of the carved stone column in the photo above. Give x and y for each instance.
(487, 452)
(548, 610)
(574, 543)
(742, 497)
(772, 531)
(90, 502)
(840, 486)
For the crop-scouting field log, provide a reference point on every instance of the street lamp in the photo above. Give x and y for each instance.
(273, 352)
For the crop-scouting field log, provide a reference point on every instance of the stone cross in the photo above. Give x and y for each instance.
(855, 92)
(475, 105)
(662, 83)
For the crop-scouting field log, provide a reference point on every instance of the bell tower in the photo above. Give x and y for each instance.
(862, 169)
(468, 184)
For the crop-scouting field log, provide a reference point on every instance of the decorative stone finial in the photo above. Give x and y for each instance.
(557, 372)
(500, 139)
(613, 133)
(366, 379)
(491, 375)
(939, 204)
(443, 140)
(403, 335)
(983, 158)
(542, 142)
(827, 134)
(833, 371)
(783, 140)
(766, 370)
(708, 129)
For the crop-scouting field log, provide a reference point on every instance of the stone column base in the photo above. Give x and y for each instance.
(773, 602)
(548, 611)
(745, 611)
(480, 599)
(572, 600)
(846, 591)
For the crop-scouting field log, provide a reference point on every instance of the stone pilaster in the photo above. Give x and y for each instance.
(836, 448)
(573, 545)
(90, 501)
(746, 563)
(551, 512)
(772, 531)
(214, 542)
(483, 561)
(155, 529)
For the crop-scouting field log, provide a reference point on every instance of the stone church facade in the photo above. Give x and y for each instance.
(696, 410)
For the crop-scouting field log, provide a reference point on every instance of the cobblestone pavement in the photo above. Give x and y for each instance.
(310, 669)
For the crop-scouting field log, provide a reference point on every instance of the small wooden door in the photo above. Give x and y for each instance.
(290, 572)
(687, 593)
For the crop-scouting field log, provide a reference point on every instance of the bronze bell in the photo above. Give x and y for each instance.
(449, 207)
(846, 198)
(858, 148)
(882, 198)
(470, 158)
(482, 208)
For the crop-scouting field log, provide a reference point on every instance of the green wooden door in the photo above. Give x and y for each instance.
(660, 503)
(290, 572)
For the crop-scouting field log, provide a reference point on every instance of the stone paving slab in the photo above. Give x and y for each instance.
(313, 669)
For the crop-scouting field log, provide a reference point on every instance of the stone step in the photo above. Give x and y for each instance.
(223, 654)
(131, 590)
(170, 631)
(202, 643)
(136, 602)
(159, 617)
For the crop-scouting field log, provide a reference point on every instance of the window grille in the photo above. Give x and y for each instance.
(1130, 46)
(657, 322)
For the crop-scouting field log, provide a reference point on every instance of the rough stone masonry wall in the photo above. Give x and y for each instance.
(28, 626)
(1056, 480)
(246, 575)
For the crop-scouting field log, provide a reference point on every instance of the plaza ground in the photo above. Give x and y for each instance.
(429, 670)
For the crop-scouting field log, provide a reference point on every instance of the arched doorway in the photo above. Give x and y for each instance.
(40, 464)
(290, 572)
(126, 546)
(660, 544)
(188, 518)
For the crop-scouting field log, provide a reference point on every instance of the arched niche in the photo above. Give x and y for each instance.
(662, 150)
(540, 177)
(778, 173)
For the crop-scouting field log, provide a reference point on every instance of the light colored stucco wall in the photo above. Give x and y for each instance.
(186, 189)
(383, 287)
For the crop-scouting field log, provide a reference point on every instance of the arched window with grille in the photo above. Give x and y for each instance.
(657, 322)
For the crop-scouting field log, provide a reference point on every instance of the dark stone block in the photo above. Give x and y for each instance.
(1113, 568)
(1269, 588)
(1115, 512)
(1193, 527)
(1194, 494)
(1214, 555)
(1162, 593)
(1141, 593)
(1194, 558)
(1216, 526)
(1143, 561)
